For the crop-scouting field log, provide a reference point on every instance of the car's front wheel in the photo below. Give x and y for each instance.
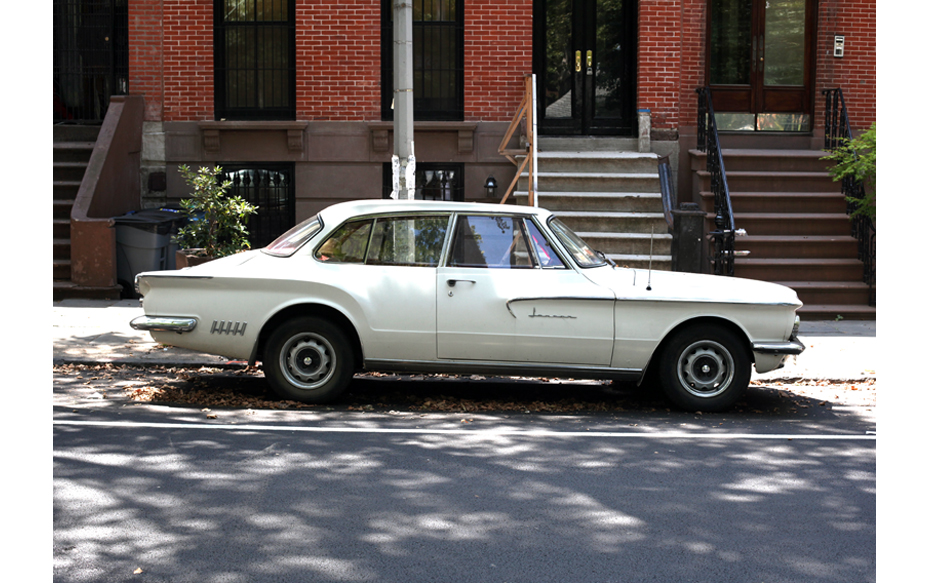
(705, 368)
(309, 360)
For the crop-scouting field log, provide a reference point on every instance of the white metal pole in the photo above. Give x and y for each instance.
(403, 162)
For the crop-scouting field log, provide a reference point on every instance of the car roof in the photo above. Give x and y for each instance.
(339, 212)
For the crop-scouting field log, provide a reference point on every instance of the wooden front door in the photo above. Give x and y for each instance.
(760, 62)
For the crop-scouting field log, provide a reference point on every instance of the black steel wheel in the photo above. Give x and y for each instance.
(705, 368)
(309, 360)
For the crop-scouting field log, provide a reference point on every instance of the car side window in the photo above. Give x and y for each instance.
(496, 242)
(545, 254)
(413, 241)
(347, 244)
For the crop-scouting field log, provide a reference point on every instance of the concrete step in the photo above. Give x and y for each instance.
(61, 269)
(803, 246)
(586, 144)
(75, 133)
(781, 202)
(72, 151)
(597, 162)
(614, 222)
(595, 201)
(61, 249)
(792, 224)
(592, 182)
(65, 189)
(835, 293)
(61, 228)
(757, 181)
(629, 243)
(814, 312)
(775, 160)
(70, 171)
(819, 269)
(61, 208)
(64, 290)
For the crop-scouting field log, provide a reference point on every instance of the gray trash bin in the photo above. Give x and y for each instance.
(144, 243)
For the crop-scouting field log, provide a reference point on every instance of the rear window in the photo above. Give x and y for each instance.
(292, 240)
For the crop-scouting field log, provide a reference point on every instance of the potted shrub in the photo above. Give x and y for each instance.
(216, 222)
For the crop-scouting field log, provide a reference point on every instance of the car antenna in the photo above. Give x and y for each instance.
(652, 233)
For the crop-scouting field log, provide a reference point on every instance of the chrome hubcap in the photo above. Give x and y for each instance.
(307, 360)
(705, 369)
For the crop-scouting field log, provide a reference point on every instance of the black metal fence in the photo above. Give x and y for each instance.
(90, 57)
(724, 236)
(837, 133)
(271, 188)
(434, 180)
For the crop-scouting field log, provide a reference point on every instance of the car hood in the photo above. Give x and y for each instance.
(641, 284)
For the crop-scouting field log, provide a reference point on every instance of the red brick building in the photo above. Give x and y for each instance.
(305, 84)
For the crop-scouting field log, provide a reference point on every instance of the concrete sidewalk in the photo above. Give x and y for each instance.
(92, 331)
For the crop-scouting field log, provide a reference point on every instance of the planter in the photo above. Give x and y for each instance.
(189, 258)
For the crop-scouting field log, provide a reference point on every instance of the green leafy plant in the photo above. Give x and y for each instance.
(217, 221)
(856, 159)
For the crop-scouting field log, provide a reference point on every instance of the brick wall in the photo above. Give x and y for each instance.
(660, 61)
(338, 60)
(145, 55)
(498, 53)
(338, 57)
(855, 72)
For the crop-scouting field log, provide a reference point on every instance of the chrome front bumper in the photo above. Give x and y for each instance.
(163, 324)
(790, 348)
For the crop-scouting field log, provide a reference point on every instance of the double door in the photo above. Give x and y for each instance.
(759, 57)
(584, 57)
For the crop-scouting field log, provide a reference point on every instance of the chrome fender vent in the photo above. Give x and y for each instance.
(228, 327)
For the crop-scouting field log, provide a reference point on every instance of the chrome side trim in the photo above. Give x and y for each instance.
(792, 347)
(557, 298)
(502, 368)
(163, 324)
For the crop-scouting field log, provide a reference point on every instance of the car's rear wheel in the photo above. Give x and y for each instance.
(308, 359)
(705, 368)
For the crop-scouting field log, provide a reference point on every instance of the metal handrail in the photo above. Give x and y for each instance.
(526, 110)
(709, 141)
(837, 134)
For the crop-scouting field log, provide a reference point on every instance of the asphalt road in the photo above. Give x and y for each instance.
(781, 491)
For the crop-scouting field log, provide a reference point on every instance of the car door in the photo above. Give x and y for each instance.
(387, 264)
(505, 295)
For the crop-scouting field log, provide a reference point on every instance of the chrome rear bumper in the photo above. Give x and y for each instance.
(163, 324)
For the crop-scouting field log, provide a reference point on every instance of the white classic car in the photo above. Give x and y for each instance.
(414, 286)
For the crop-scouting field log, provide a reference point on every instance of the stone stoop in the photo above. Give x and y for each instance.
(72, 146)
(797, 230)
(608, 193)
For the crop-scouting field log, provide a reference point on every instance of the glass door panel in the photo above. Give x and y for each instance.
(784, 42)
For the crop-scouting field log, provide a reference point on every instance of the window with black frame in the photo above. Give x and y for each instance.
(438, 60)
(254, 59)
(434, 180)
(270, 187)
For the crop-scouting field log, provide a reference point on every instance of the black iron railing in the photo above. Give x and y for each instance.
(724, 235)
(837, 134)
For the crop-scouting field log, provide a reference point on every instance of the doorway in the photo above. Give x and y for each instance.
(759, 63)
(584, 57)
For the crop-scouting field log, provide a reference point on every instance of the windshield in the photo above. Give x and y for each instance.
(289, 242)
(580, 251)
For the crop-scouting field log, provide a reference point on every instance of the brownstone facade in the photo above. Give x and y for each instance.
(338, 140)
